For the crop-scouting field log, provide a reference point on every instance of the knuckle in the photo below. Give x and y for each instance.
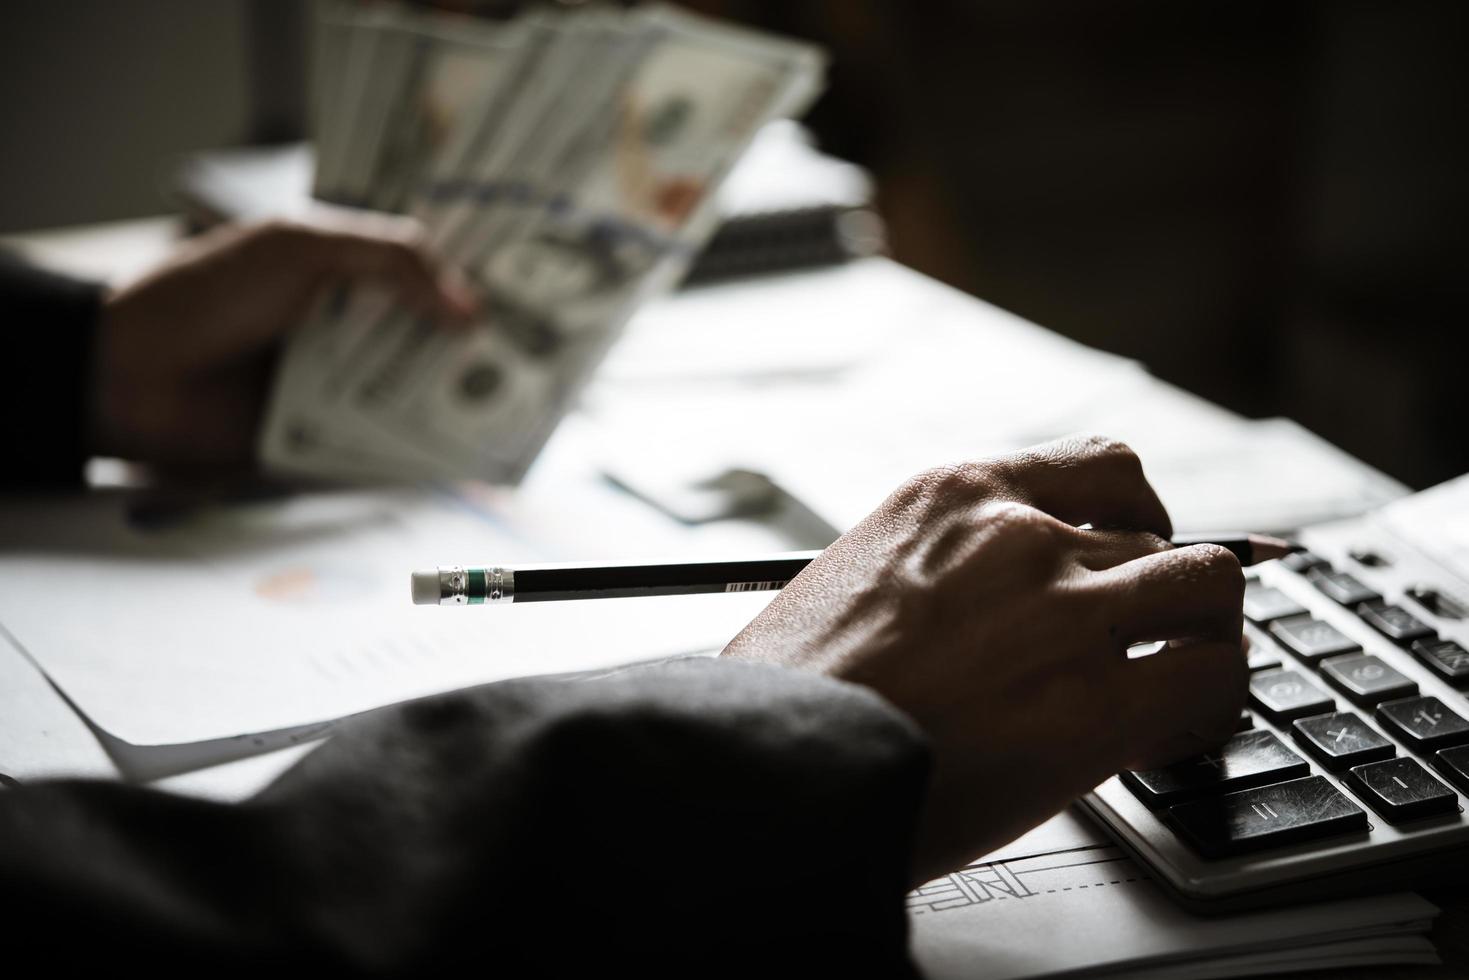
(954, 483)
(1019, 523)
(1218, 564)
(1075, 451)
(1113, 450)
(966, 478)
(281, 235)
(276, 230)
(1154, 543)
(1219, 559)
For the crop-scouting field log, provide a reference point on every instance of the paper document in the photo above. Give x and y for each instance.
(1436, 521)
(840, 384)
(169, 626)
(1094, 910)
(42, 738)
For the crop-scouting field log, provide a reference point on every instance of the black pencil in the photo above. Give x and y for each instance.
(457, 585)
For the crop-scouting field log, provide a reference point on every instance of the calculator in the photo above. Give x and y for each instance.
(1350, 767)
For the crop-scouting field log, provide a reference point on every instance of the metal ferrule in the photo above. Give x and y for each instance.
(459, 586)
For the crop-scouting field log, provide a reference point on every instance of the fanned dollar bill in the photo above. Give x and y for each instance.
(567, 162)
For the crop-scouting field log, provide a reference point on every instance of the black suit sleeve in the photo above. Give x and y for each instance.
(46, 328)
(697, 818)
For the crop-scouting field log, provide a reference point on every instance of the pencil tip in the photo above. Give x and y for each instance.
(1266, 547)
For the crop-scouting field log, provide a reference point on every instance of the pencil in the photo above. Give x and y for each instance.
(458, 585)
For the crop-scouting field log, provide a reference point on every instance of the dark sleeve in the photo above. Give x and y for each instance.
(46, 327)
(699, 818)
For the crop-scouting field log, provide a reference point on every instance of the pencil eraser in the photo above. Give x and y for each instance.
(425, 588)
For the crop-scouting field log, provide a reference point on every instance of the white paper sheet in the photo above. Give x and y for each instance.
(241, 618)
(1436, 522)
(839, 385)
(1069, 830)
(1095, 909)
(41, 738)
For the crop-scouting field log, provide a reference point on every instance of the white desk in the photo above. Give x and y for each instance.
(827, 381)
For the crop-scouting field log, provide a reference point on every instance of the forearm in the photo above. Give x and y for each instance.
(701, 816)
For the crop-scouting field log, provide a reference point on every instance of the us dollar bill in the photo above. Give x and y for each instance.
(582, 188)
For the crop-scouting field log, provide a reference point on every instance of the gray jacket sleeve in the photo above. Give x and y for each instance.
(695, 818)
(47, 324)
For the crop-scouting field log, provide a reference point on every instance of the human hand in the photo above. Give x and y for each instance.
(972, 601)
(183, 357)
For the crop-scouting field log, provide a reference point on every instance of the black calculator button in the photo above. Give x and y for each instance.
(1341, 586)
(1311, 639)
(1366, 680)
(1454, 763)
(1445, 658)
(1394, 622)
(1401, 789)
(1370, 558)
(1268, 816)
(1341, 740)
(1286, 694)
(1437, 602)
(1302, 562)
(1251, 758)
(1425, 723)
(1263, 656)
(1263, 604)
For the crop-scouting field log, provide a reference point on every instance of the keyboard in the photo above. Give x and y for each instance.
(1350, 767)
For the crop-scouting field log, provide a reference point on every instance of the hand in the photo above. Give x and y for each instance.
(972, 601)
(183, 357)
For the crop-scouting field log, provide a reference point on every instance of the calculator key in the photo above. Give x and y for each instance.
(1286, 694)
(1263, 656)
(1251, 758)
(1370, 558)
(1437, 602)
(1445, 658)
(1401, 789)
(1303, 561)
(1263, 604)
(1424, 723)
(1341, 586)
(1454, 763)
(1311, 639)
(1366, 680)
(1394, 622)
(1341, 740)
(1269, 816)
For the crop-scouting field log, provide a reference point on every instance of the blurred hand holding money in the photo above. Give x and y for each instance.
(565, 161)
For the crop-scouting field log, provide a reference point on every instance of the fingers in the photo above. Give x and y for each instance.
(1183, 700)
(1097, 550)
(401, 265)
(385, 249)
(1196, 591)
(1087, 480)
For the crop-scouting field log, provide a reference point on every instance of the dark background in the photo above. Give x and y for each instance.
(1266, 202)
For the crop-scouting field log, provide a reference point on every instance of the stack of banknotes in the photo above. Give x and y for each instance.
(566, 160)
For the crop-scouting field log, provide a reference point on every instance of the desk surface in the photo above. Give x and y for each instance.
(38, 723)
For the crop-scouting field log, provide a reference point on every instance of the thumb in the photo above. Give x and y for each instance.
(1185, 699)
(388, 250)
